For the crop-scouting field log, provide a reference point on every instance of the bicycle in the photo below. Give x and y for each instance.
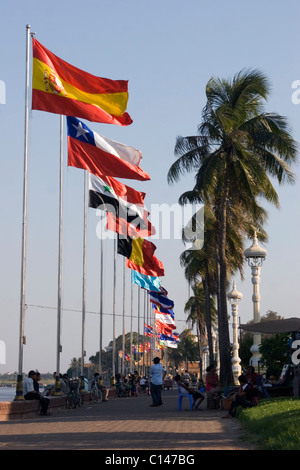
(73, 397)
(96, 393)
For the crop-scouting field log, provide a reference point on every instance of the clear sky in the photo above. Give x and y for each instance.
(168, 50)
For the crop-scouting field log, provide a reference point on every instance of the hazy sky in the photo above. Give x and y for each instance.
(168, 50)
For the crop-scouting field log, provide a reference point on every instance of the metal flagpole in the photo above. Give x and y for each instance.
(114, 315)
(19, 388)
(149, 340)
(144, 337)
(84, 283)
(153, 332)
(101, 298)
(131, 323)
(124, 298)
(59, 347)
(139, 340)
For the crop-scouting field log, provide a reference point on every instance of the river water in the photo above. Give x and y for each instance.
(7, 393)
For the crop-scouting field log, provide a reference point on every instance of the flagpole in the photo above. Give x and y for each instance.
(139, 341)
(154, 333)
(84, 283)
(144, 332)
(59, 289)
(101, 297)
(131, 322)
(123, 337)
(114, 314)
(149, 342)
(19, 388)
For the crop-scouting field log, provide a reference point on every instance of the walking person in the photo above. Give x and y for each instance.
(157, 375)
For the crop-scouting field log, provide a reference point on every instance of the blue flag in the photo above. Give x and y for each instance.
(150, 283)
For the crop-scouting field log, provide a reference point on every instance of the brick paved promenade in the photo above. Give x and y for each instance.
(126, 424)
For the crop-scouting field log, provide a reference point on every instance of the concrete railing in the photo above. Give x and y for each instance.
(22, 409)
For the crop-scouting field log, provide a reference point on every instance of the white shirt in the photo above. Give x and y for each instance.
(28, 385)
(183, 390)
(157, 371)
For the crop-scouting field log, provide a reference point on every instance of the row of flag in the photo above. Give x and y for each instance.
(59, 87)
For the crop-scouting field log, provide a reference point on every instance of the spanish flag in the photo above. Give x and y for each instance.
(61, 88)
(140, 254)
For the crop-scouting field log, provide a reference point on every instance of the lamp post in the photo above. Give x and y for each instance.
(234, 298)
(255, 255)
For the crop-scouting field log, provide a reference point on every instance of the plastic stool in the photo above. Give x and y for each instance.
(181, 396)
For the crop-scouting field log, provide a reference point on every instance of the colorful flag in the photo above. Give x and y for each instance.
(166, 319)
(148, 330)
(98, 155)
(128, 194)
(104, 197)
(164, 310)
(162, 328)
(161, 300)
(146, 282)
(61, 88)
(140, 254)
(133, 228)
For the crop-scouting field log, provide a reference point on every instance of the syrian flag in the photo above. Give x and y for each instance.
(103, 196)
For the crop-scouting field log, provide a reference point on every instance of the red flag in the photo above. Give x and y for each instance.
(135, 228)
(60, 88)
(101, 156)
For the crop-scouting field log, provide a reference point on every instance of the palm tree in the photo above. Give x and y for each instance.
(196, 306)
(238, 149)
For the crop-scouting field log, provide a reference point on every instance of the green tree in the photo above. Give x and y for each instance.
(246, 339)
(274, 350)
(187, 350)
(238, 149)
(196, 308)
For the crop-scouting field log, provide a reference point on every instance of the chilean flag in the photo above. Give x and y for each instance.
(101, 156)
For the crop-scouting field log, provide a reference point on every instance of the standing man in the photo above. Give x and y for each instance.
(157, 374)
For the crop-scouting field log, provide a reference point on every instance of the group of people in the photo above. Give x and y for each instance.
(246, 396)
(31, 391)
(127, 386)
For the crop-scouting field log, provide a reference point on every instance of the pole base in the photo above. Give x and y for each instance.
(19, 389)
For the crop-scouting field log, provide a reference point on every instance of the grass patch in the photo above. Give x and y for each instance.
(274, 424)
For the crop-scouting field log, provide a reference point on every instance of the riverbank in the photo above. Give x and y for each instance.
(22, 409)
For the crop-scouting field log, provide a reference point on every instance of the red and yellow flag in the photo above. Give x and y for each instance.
(61, 88)
(140, 254)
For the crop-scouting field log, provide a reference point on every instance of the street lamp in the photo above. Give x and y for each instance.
(255, 255)
(234, 298)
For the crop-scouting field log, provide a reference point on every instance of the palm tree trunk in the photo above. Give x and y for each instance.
(224, 341)
(200, 352)
(208, 319)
